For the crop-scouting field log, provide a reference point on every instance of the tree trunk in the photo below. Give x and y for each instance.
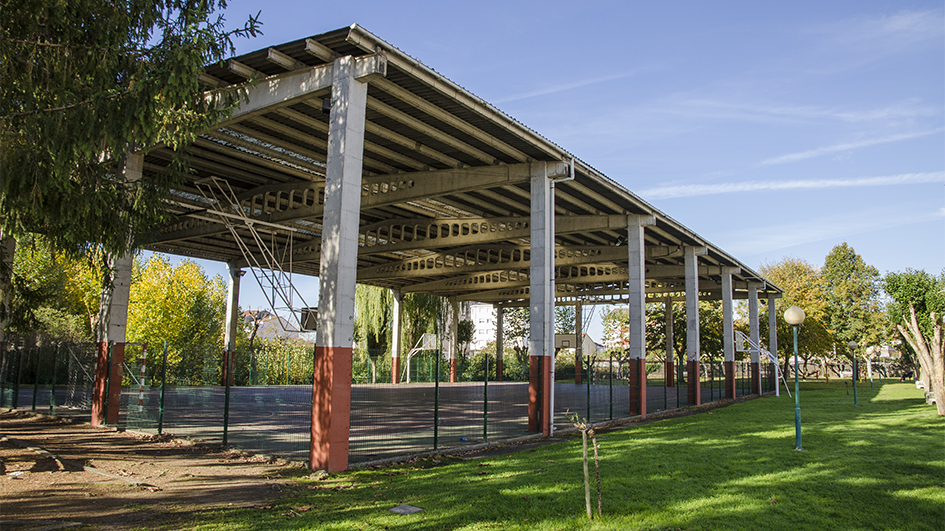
(7, 250)
(930, 356)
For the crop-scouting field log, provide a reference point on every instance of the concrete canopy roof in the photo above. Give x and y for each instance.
(445, 201)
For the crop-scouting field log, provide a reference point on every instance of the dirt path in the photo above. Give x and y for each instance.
(54, 473)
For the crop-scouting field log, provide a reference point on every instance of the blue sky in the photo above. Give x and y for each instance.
(770, 129)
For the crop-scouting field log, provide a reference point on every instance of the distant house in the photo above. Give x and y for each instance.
(588, 346)
(273, 326)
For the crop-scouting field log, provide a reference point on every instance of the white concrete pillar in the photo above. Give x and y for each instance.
(728, 331)
(773, 325)
(397, 339)
(773, 339)
(636, 310)
(669, 325)
(693, 345)
(755, 335)
(231, 319)
(579, 347)
(636, 256)
(691, 266)
(113, 320)
(754, 331)
(331, 398)
(541, 300)
(452, 330)
(499, 346)
(728, 323)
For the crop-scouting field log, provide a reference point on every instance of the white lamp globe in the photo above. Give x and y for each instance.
(794, 315)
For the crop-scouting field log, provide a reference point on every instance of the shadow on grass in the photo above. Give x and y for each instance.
(877, 466)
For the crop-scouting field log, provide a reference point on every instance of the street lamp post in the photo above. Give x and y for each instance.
(853, 345)
(795, 316)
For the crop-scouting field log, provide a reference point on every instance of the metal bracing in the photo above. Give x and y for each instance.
(436, 163)
(266, 265)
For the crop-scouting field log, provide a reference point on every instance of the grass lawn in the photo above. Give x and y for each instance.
(877, 466)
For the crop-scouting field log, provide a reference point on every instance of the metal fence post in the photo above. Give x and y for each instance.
(108, 383)
(226, 392)
(16, 384)
(485, 401)
(590, 376)
(36, 379)
(163, 386)
(611, 385)
(55, 376)
(436, 402)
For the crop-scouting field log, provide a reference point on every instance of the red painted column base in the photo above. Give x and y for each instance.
(729, 379)
(395, 369)
(755, 379)
(636, 378)
(453, 370)
(546, 383)
(577, 369)
(331, 409)
(113, 395)
(534, 392)
(228, 364)
(694, 383)
(670, 374)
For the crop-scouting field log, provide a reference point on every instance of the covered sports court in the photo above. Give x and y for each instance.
(353, 162)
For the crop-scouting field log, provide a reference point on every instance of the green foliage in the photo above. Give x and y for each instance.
(564, 319)
(465, 329)
(851, 290)
(919, 290)
(275, 361)
(516, 324)
(875, 467)
(373, 317)
(182, 306)
(710, 329)
(84, 82)
(55, 296)
(803, 287)
(474, 368)
(423, 314)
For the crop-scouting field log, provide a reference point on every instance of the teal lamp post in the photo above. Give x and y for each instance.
(853, 345)
(795, 316)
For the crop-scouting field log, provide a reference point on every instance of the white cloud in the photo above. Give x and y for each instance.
(767, 239)
(670, 192)
(847, 146)
(888, 32)
(566, 86)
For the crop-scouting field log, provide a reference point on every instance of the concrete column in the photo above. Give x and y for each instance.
(579, 347)
(232, 319)
(773, 337)
(693, 346)
(452, 327)
(755, 336)
(541, 301)
(396, 336)
(728, 330)
(670, 342)
(636, 256)
(499, 346)
(113, 320)
(331, 390)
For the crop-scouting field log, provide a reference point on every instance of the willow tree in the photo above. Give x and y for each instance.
(374, 315)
